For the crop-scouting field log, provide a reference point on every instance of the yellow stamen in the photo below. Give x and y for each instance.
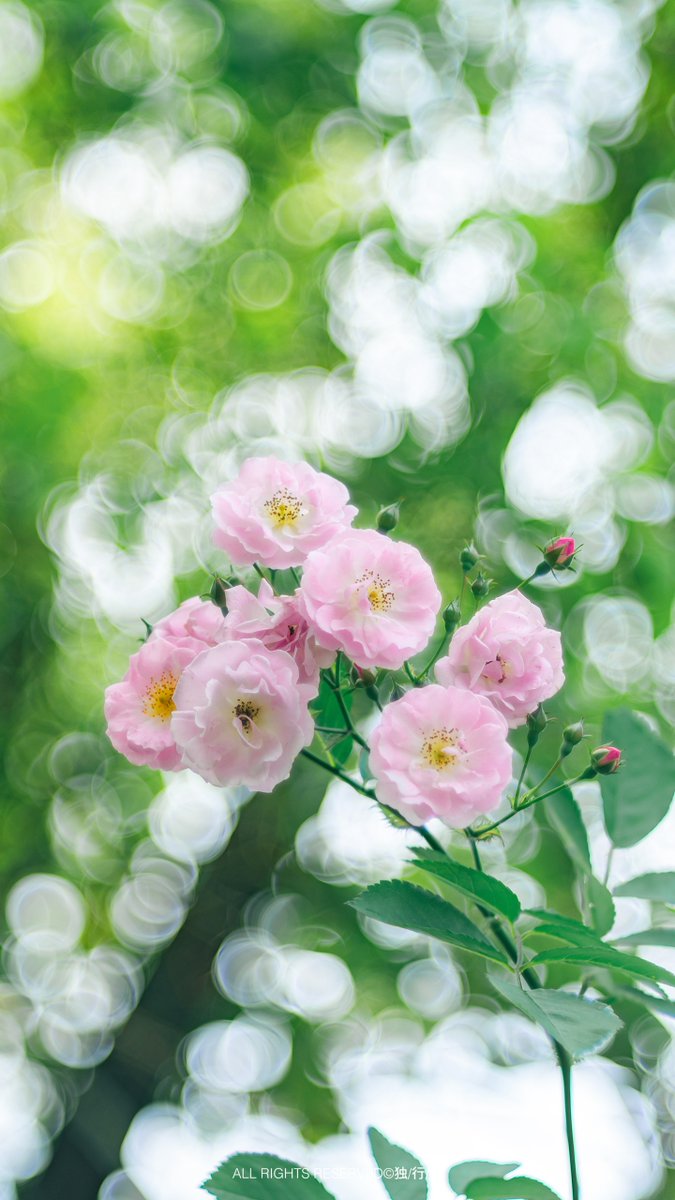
(380, 595)
(159, 701)
(247, 712)
(441, 749)
(283, 508)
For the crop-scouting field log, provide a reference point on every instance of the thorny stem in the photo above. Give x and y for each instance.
(484, 830)
(337, 691)
(338, 772)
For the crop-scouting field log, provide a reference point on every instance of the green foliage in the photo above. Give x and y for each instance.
(600, 904)
(519, 1187)
(398, 903)
(393, 1161)
(263, 1177)
(657, 885)
(607, 958)
(461, 1175)
(639, 795)
(478, 886)
(564, 815)
(581, 1026)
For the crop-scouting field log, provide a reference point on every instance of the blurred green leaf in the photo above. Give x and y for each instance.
(474, 884)
(409, 907)
(519, 1187)
(564, 815)
(460, 1176)
(581, 1026)
(328, 713)
(601, 905)
(657, 885)
(391, 1158)
(251, 1177)
(639, 795)
(648, 937)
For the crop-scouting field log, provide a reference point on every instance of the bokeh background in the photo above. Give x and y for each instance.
(430, 246)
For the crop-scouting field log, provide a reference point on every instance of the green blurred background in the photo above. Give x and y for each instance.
(373, 234)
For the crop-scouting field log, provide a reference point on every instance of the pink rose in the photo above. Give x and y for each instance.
(241, 715)
(138, 710)
(371, 597)
(279, 622)
(441, 752)
(275, 512)
(194, 618)
(506, 653)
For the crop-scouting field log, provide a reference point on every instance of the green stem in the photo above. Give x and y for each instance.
(346, 717)
(411, 675)
(565, 1064)
(437, 653)
(564, 1061)
(259, 571)
(339, 774)
(521, 777)
(486, 829)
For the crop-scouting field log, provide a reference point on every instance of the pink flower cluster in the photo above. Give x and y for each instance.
(227, 693)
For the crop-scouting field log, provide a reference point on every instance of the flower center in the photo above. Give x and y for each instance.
(378, 590)
(245, 711)
(283, 509)
(441, 749)
(497, 670)
(159, 701)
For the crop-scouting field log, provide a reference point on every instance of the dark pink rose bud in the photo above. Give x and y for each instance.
(606, 759)
(560, 552)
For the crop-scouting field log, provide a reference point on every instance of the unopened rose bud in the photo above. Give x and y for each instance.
(560, 552)
(388, 518)
(606, 760)
(218, 593)
(536, 724)
(451, 617)
(481, 586)
(572, 735)
(361, 677)
(468, 558)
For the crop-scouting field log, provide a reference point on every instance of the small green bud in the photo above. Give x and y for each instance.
(536, 724)
(388, 518)
(451, 617)
(481, 586)
(468, 558)
(218, 592)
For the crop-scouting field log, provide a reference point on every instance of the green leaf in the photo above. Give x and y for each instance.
(662, 936)
(565, 928)
(564, 815)
(639, 795)
(581, 1026)
(519, 1187)
(329, 713)
(658, 1003)
(251, 1177)
(460, 1176)
(394, 1161)
(607, 958)
(601, 905)
(474, 884)
(398, 903)
(659, 885)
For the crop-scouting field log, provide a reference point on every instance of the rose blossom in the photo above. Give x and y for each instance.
(138, 709)
(507, 653)
(279, 622)
(371, 597)
(241, 715)
(441, 752)
(194, 618)
(606, 760)
(275, 512)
